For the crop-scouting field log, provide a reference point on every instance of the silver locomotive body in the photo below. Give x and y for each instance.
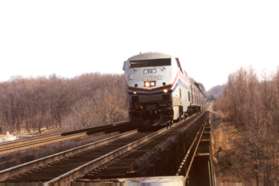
(158, 88)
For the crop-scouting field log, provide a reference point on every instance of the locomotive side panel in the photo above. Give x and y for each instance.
(180, 89)
(198, 97)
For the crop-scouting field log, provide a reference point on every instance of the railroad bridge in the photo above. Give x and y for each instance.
(195, 169)
(179, 155)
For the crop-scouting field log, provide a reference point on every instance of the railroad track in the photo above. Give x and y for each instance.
(51, 167)
(35, 137)
(53, 138)
(197, 159)
(66, 166)
(146, 160)
(186, 163)
(25, 144)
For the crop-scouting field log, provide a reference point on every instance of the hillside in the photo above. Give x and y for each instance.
(215, 91)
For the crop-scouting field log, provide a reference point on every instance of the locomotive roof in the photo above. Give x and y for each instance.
(149, 55)
(199, 86)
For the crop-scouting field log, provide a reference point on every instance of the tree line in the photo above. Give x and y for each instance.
(54, 102)
(251, 104)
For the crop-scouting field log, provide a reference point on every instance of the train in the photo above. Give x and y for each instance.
(160, 92)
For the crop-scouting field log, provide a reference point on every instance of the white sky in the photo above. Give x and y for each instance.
(68, 38)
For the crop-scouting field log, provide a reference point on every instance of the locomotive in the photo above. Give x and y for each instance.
(159, 90)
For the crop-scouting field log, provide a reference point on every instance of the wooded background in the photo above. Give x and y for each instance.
(83, 101)
(251, 105)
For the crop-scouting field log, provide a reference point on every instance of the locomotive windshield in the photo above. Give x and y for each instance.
(150, 63)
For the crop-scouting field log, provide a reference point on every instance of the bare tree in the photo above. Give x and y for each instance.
(252, 106)
(34, 104)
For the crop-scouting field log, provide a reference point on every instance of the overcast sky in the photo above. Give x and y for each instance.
(68, 38)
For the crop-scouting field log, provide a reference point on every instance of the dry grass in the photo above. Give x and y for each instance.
(223, 136)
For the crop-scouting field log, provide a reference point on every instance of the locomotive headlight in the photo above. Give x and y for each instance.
(135, 92)
(165, 90)
(149, 83)
(146, 84)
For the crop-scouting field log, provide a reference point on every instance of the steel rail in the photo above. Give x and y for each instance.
(124, 167)
(84, 169)
(34, 137)
(29, 144)
(195, 144)
(66, 177)
(15, 143)
(194, 154)
(28, 166)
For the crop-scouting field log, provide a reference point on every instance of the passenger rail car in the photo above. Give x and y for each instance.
(198, 97)
(159, 89)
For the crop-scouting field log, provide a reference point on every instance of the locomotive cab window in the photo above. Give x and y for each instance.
(150, 63)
